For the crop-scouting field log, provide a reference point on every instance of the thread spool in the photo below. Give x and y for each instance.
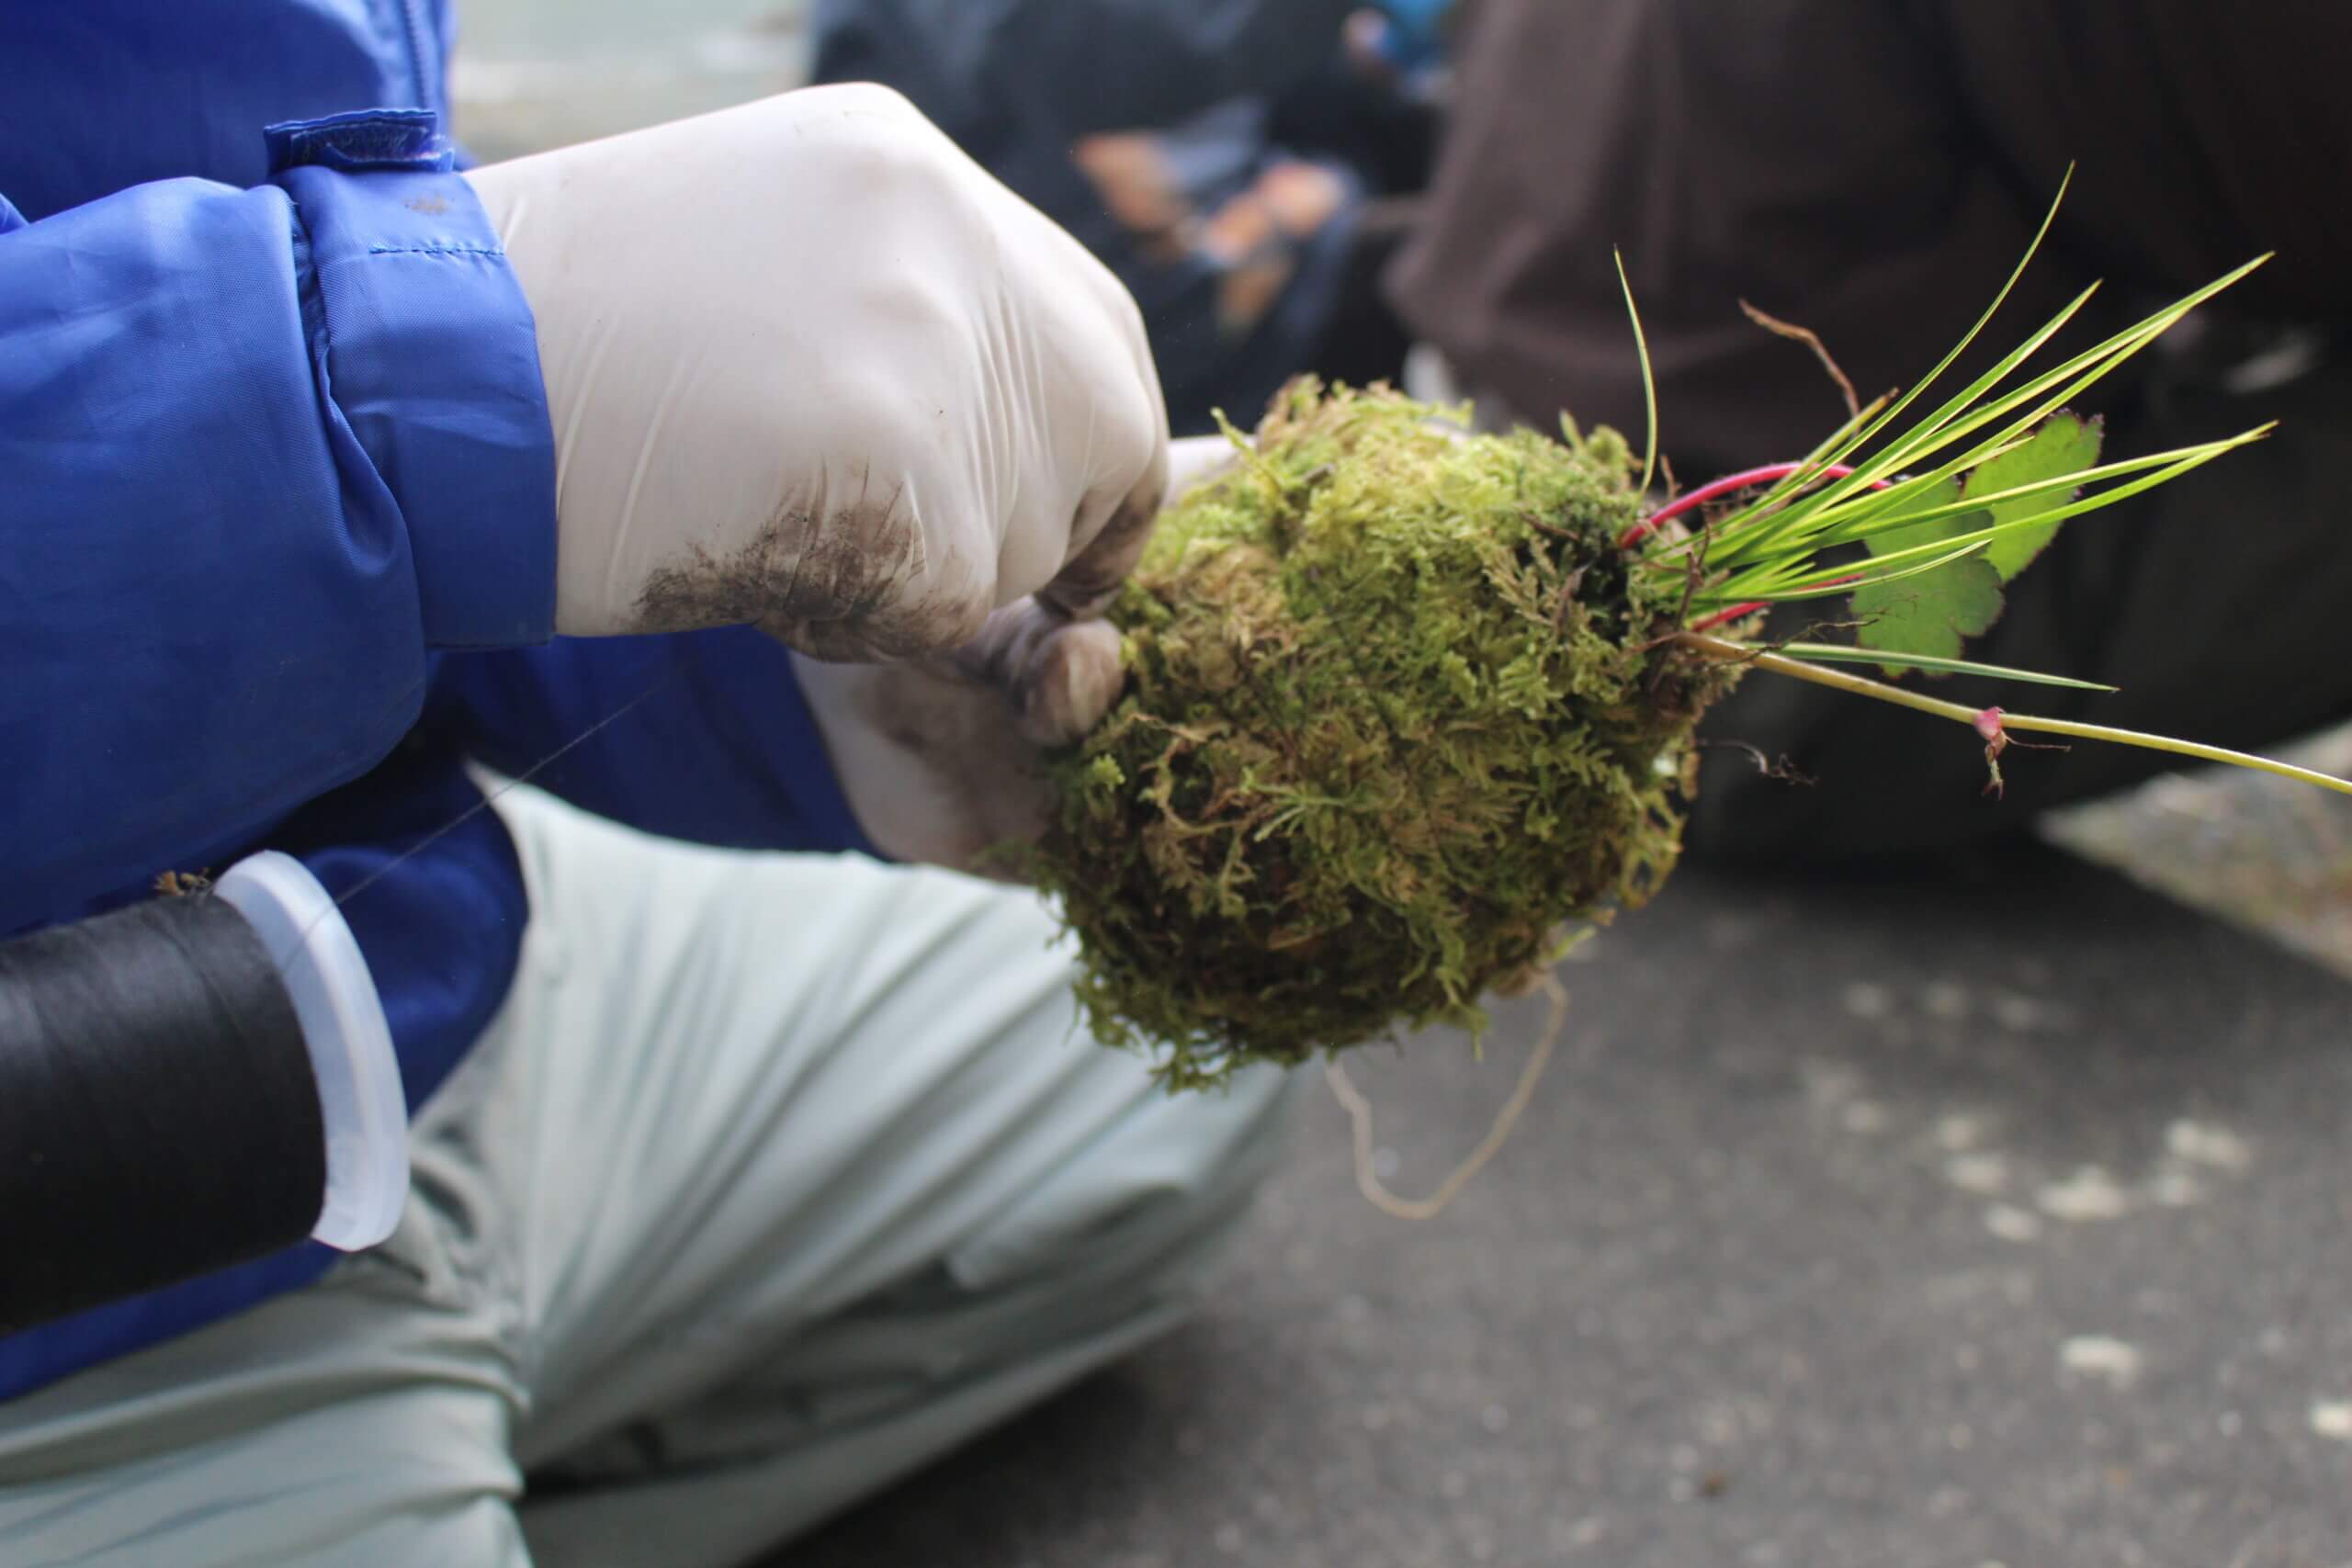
(188, 1083)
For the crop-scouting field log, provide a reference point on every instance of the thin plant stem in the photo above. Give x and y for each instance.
(1861, 686)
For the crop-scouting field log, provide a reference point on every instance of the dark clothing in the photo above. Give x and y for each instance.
(1218, 157)
(1874, 170)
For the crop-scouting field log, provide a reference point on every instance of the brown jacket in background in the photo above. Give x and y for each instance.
(1873, 169)
(1869, 168)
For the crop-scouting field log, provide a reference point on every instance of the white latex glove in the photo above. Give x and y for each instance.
(810, 367)
(939, 756)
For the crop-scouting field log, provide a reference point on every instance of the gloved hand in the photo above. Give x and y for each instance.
(938, 757)
(810, 367)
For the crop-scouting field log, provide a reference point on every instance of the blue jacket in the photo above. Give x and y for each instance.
(277, 531)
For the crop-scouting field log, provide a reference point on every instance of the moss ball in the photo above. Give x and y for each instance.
(1397, 728)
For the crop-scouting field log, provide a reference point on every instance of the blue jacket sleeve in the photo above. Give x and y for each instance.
(702, 735)
(264, 449)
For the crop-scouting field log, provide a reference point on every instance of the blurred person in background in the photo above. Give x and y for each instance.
(1873, 171)
(1243, 166)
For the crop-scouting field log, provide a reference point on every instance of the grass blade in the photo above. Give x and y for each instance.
(1879, 466)
(1649, 383)
(2092, 364)
(1847, 534)
(1834, 581)
(2193, 457)
(1840, 653)
(1894, 410)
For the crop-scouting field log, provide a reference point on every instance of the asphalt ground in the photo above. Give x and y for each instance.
(1989, 1213)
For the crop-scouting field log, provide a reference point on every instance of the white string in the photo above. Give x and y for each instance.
(484, 804)
(1359, 1109)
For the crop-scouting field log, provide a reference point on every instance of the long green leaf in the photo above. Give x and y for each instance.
(1872, 527)
(2190, 457)
(1659, 550)
(1895, 411)
(2100, 361)
(1842, 585)
(1840, 653)
(1855, 486)
(1649, 383)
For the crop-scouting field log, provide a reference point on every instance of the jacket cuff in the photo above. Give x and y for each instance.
(428, 350)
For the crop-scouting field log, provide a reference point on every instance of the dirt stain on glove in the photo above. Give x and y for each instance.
(835, 588)
(1083, 588)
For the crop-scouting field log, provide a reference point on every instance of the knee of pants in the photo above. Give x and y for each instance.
(1156, 1190)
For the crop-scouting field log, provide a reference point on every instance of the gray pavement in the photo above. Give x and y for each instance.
(1946, 1219)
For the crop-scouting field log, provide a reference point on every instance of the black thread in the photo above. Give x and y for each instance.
(158, 1114)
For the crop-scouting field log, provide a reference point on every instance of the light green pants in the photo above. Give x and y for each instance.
(775, 1176)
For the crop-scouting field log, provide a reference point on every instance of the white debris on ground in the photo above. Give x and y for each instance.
(2194, 1156)
(2113, 1362)
(2090, 1193)
(2202, 1144)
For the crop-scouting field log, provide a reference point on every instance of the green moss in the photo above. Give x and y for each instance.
(1394, 731)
